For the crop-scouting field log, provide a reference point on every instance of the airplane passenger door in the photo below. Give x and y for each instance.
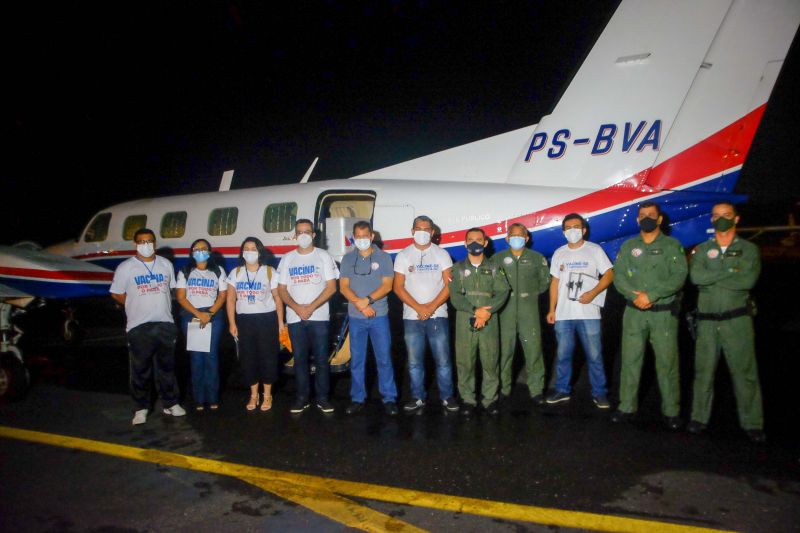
(336, 213)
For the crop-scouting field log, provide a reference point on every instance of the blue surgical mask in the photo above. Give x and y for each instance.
(201, 256)
(516, 242)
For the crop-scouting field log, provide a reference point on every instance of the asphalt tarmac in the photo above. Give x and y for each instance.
(530, 468)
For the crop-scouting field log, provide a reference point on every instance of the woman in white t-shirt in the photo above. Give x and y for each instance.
(255, 317)
(201, 289)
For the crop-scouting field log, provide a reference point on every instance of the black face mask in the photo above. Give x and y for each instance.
(648, 225)
(475, 248)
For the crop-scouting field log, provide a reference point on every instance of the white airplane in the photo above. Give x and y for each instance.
(664, 108)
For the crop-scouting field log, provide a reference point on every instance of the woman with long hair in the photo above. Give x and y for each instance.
(201, 289)
(255, 318)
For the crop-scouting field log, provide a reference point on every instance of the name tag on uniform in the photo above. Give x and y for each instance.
(486, 271)
(733, 253)
(656, 251)
(524, 261)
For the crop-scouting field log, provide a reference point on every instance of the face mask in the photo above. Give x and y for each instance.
(648, 225)
(723, 224)
(422, 237)
(363, 244)
(250, 257)
(201, 256)
(573, 235)
(516, 242)
(304, 240)
(475, 248)
(145, 250)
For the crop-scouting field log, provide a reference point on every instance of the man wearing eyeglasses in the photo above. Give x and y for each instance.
(142, 284)
(366, 276)
(422, 272)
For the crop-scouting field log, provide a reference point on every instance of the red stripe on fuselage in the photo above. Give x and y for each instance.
(58, 275)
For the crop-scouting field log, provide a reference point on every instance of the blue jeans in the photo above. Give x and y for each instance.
(377, 330)
(311, 336)
(437, 330)
(205, 365)
(590, 334)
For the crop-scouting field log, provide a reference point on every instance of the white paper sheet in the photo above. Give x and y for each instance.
(198, 339)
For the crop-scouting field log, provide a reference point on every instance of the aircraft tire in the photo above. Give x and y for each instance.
(14, 378)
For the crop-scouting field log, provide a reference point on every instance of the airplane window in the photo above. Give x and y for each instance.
(132, 224)
(98, 229)
(222, 221)
(280, 218)
(173, 225)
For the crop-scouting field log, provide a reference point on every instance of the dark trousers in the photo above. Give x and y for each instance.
(151, 348)
(258, 347)
(311, 336)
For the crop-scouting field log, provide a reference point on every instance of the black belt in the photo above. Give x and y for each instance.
(673, 306)
(727, 315)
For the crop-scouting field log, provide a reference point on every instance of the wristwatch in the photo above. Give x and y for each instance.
(370, 300)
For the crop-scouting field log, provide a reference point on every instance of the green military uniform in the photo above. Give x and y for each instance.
(471, 288)
(658, 269)
(528, 276)
(724, 323)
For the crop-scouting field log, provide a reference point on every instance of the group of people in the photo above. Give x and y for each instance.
(496, 303)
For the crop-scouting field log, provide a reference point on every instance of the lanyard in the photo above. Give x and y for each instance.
(152, 276)
(250, 284)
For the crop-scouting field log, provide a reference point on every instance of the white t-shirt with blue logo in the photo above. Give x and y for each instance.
(423, 271)
(305, 277)
(253, 290)
(202, 286)
(579, 270)
(147, 286)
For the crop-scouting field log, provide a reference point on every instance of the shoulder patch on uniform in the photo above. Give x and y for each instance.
(636, 252)
(508, 260)
(467, 272)
(713, 253)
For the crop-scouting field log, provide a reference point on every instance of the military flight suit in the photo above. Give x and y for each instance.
(725, 324)
(528, 277)
(658, 269)
(473, 287)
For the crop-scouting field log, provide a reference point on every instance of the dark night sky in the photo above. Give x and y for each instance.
(118, 101)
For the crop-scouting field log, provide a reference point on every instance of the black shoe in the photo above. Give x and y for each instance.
(493, 409)
(299, 406)
(620, 416)
(601, 402)
(451, 404)
(468, 409)
(673, 423)
(415, 404)
(557, 397)
(354, 407)
(539, 400)
(696, 427)
(390, 408)
(324, 405)
(756, 435)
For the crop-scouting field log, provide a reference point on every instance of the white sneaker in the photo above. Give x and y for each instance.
(175, 410)
(139, 417)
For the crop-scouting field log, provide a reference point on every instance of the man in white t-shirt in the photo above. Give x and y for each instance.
(306, 281)
(422, 273)
(581, 274)
(142, 284)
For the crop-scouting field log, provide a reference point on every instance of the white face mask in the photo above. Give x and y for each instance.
(146, 249)
(250, 257)
(573, 235)
(422, 237)
(363, 244)
(304, 240)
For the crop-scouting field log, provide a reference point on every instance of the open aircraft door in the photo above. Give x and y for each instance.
(336, 213)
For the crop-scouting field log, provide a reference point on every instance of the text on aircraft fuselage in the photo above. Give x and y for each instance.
(638, 135)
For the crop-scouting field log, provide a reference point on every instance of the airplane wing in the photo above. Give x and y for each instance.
(36, 273)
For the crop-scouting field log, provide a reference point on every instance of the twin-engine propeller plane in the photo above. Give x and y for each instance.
(664, 107)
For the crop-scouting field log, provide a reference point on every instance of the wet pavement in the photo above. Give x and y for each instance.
(568, 457)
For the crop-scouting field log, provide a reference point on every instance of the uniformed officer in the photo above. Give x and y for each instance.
(528, 276)
(725, 269)
(650, 271)
(477, 290)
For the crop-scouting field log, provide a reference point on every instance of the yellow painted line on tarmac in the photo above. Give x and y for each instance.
(326, 495)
